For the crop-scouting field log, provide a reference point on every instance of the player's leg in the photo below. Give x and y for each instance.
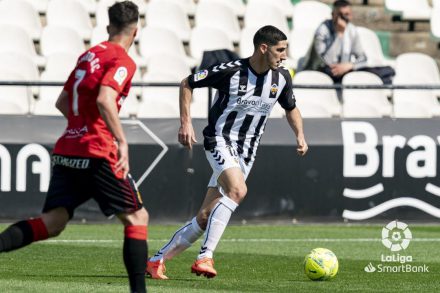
(118, 196)
(184, 237)
(23, 233)
(232, 182)
(135, 248)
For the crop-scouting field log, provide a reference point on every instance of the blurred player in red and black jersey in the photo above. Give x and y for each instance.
(90, 159)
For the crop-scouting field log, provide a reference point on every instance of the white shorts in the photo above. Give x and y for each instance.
(224, 157)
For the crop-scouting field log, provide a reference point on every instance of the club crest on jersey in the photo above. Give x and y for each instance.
(120, 75)
(274, 89)
(202, 74)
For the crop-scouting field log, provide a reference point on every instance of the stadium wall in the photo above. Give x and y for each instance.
(357, 169)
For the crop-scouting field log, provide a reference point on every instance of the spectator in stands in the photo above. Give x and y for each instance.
(337, 48)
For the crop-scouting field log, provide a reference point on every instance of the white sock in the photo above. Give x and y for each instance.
(217, 222)
(181, 240)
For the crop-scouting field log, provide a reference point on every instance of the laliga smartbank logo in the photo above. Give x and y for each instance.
(396, 236)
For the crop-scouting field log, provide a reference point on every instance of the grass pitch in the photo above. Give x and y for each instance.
(88, 258)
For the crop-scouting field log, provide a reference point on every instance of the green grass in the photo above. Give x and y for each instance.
(252, 258)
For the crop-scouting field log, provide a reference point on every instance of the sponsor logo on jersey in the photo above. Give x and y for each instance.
(242, 88)
(200, 75)
(120, 75)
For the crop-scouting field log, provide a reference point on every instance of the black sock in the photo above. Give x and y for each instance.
(135, 257)
(16, 236)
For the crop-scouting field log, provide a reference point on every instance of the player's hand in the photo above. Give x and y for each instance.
(122, 163)
(302, 146)
(341, 68)
(340, 25)
(186, 135)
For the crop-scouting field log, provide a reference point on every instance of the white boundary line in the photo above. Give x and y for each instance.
(232, 240)
(156, 139)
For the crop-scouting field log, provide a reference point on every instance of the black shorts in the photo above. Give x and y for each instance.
(75, 180)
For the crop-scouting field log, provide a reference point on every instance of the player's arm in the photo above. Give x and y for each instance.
(296, 123)
(62, 103)
(186, 133)
(106, 102)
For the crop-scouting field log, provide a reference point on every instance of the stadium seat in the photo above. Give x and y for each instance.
(55, 39)
(208, 39)
(58, 68)
(218, 15)
(169, 15)
(102, 10)
(21, 13)
(99, 34)
(161, 62)
(71, 14)
(45, 104)
(130, 106)
(187, 5)
(237, 6)
(89, 5)
(325, 97)
(259, 14)
(284, 5)
(61, 62)
(16, 39)
(170, 44)
(39, 5)
(300, 41)
(246, 45)
(435, 22)
(159, 102)
(14, 99)
(376, 98)
(409, 9)
(313, 110)
(427, 73)
(411, 109)
(22, 65)
(138, 59)
(372, 48)
(360, 110)
(310, 14)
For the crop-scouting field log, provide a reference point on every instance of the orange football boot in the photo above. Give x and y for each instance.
(205, 267)
(156, 269)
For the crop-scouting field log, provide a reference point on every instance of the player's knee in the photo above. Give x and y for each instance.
(138, 218)
(55, 230)
(237, 193)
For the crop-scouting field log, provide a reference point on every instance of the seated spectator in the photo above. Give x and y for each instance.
(337, 49)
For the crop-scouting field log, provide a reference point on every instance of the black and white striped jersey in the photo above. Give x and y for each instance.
(242, 104)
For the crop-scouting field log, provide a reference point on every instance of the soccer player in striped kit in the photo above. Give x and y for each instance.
(90, 159)
(247, 90)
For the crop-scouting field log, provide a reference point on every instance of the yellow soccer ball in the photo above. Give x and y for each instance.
(321, 264)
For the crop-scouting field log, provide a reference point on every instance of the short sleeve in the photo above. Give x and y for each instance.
(287, 98)
(118, 76)
(217, 76)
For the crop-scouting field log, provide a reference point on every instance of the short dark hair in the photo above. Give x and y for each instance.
(341, 3)
(122, 14)
(269, 35)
